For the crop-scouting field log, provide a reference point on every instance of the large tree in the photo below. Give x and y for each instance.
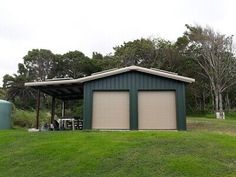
(150, 53)
(198, 95)
(77, 64)
(39, 63)
(137, 52)
(214, 54)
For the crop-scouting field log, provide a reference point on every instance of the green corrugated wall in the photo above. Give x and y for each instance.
(133, 82)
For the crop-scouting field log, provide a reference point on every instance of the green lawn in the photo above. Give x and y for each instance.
(208, 148)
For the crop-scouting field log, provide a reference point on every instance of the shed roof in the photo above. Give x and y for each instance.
(103, 74)
(73, 88)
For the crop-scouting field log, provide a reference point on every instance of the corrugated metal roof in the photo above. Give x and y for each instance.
(155, 72)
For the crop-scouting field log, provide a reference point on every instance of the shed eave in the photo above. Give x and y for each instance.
(43, 83)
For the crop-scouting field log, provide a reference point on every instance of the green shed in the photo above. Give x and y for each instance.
(132, 98)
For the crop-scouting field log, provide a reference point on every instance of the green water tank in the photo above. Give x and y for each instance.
(5, 114)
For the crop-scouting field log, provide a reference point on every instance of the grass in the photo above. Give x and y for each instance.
(212, 125)
(228, 115)
(208, 148)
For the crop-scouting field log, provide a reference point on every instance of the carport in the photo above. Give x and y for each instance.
(57, 89)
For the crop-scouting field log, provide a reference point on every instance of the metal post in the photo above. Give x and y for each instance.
(53, 110)
(37, 109)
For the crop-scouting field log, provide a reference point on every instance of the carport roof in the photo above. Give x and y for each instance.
(73, 88)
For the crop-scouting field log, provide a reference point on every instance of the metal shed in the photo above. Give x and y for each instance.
(127, 98)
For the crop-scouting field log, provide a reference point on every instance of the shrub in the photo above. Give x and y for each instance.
(26, 118)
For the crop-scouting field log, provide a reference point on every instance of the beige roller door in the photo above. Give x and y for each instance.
(157, 110)
(110, 110)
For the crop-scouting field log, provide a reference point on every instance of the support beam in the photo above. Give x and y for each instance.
(37, 109)
(63, 108)
(53, 110)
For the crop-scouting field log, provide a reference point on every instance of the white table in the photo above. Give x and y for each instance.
(62, 122)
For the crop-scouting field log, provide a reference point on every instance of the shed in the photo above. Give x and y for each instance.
(132, 98)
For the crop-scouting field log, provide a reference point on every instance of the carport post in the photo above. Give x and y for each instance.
(53, 110)
(37, 109)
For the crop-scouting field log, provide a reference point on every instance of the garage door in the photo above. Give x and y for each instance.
(156, 110)
(110, 110)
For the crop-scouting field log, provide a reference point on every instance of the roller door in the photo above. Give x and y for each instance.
(110, 110)
(157, 110)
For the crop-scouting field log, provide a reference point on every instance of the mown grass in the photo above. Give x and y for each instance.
(208, 148)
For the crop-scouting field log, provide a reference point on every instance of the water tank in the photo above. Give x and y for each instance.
(5, 114)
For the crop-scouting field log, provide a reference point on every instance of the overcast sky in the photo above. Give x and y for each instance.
(99, 25)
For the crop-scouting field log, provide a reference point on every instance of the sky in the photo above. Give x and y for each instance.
(100, 25)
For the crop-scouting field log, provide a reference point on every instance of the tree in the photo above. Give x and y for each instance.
(167, 56)
(7, 80)
(2, 93)
(137, 52)
(59, 67)
(150, 53)
(97, 56)
(214, 54)
(73, 63)
(106, 62)
(199, 99)
(39, 63)
(21, 96)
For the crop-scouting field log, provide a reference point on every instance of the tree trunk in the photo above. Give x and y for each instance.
(217, 112)
(196, 103)
(203, 101)
(213, 101)
(227, 102)
(216, 102)
(220, 102)
(222, 114)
